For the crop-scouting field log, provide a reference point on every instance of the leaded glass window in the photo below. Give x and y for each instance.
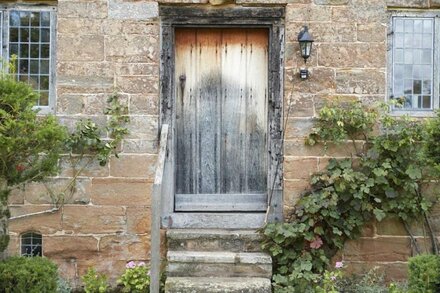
(30, 36)
(31, 244)
(413, 62)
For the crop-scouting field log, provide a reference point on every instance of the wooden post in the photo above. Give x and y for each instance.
(156, 210)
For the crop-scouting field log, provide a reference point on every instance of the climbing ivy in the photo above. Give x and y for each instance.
(385, 176)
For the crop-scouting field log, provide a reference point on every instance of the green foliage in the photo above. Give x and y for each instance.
(136, 278)
(424, 273)
(24, 136)
(30, 145)
(432, 146)
(338, 122)
(87, 139)
(371, 282)
(95, 282)
(28, 274)
(384, 178)
(63, 286)
(329, 282)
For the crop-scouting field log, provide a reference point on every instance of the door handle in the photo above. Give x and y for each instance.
(182, 80)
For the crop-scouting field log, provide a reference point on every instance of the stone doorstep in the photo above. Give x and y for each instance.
(217, 285)
(214, 240)
(218, 264)
(219, 257)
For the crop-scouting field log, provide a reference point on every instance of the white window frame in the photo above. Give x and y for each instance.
(435, 15)
(5, 10)
(31, 233)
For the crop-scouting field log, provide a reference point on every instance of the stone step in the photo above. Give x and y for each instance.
(214, 240)
(217, 285)
(218, 264)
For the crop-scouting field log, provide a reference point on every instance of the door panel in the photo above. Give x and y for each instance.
(221, 119)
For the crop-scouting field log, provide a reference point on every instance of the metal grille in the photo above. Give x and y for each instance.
(31, 244)
(413, 53)
(30, 42)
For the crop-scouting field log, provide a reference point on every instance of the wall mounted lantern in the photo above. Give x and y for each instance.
(305, 41)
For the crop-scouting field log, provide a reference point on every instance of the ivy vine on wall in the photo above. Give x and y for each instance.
(394, 159)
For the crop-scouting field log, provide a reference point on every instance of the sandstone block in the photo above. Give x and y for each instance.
(372, 55)
(138, 220)
(131, 48)
(331, 2)
(372, 32)
(357, 81)
(320, 80)
(125, 247)
(143, 127)
(140, 146)
(308, 13)
(16, 197)
(293, 189)
(67, 268)
(93, 168)
(393, 271)
(77, 25)
(120, 192)
(144, 104)
(372, 11)
(47, 223)
(139, 27)
(80, 47)
(94, 9)
(13, 248)
(378, 249)
(298, 127)
(133, 166)
(119, 9)
(94, 219)
(70, 104)
(300, 168)
(408, 3)
(78, 70)
(297, 147)
(151, 69)
(70, 247)
(138, 84)
(300, 105)
(40, 193)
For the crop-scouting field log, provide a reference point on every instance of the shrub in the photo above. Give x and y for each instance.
(95, 282)
(28, 274)
(136, 278)
(424, 273)
(63, 286)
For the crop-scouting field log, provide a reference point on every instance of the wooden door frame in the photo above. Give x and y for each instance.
(271, 18)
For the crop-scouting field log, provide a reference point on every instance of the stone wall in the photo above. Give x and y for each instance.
(108, 45)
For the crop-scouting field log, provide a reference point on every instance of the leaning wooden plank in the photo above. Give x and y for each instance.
(155, 216)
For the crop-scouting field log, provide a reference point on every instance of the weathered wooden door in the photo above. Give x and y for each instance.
(221, 79)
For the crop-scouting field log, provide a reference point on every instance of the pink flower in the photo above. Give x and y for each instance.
(316, 243)
(130, 265)
(333, 278)
(339, 264)
(141, 264)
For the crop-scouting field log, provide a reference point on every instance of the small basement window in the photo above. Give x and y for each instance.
(31, 244)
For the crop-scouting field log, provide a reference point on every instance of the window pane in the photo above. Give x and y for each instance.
(30, 39)
(35, 19)
(13, 35)
(413, 61)
(31, 244)
(14, 18)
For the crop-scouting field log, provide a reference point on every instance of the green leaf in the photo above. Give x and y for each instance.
(380, 214)
(414, 172)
